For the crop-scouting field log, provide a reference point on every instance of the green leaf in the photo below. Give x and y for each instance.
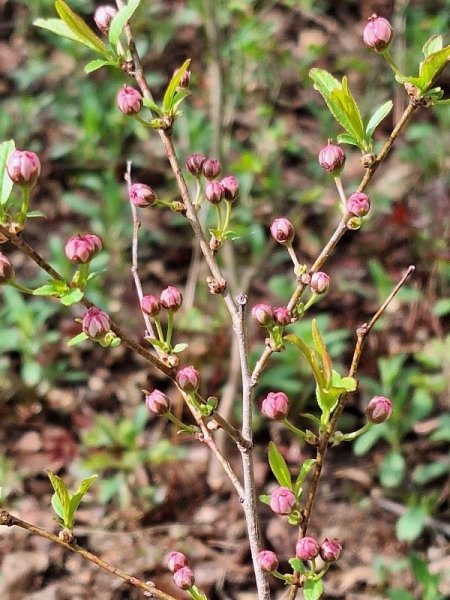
(304, 470)
(172, 88)
(345, 138)
(81, 337)
(308, 354)
(152, 106)
(432, 66)
(433, 44)
(313, 590)
(392, 470)
(77, 497)
(368, 439)
(321, 349)
(80, 29)
(57, 507)
(96, 64)
(62, 494)
(32, 214)
(279, 466)
(380, 114)
(179, 348)
(54, 288)
(6, 185)
(264, 498)
(120, 20)
(297, 565)
(71, 297)
(423, 474)
(60, 28)
(411, 524)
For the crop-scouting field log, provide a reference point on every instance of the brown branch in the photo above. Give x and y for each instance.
(10, 520)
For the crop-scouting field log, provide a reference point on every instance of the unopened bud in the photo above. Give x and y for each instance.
(275, 406)
(82, 248)
(330, 550)
(194, 164)
(176, 561)
(214, 192)
(141, 195)
(320, 282)
(157, 403)
(96, 323)
(171, 298)
(150, 305)
(103, 17)
(263, 314)
(282, 231)
(211, 168)
(282, 501)
(231, 186)
(307, 548)
(188, 379)
(6, 269)
(23, 167)
(185, 79)
(332, 158)
(184, 578)
(377, 33)
(358, 204)
(282, 316)
(129, 100)
(267, 561)
(379, 409)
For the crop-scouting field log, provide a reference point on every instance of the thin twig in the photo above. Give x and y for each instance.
(10, 520)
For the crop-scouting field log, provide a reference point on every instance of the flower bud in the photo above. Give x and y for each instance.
(379, 409)
(96, 323)
(157, 403)
(330, 550)
(307, 548)
(358, 204)
(141, 195)
(188, 379)
(184, 578)
(377, 33)
(171, 298)
(211, 168)
(231, 186)
(176, 561)
(150, 306)
(185, 79)
(267, 561)
(6, 269)
(129, 100)
(82, 248)
(282, 231)
(263, 314)
(103, 17)
(320, 282)
(214, 192)
(194, 163)
(282, 316)
(275, 406)
(282, 501)
(332, 158)
(23, 167)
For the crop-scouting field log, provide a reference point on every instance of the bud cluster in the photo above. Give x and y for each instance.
(215, 191)
(170, 299)
(82, 248)
(178, 564)
(308, 548)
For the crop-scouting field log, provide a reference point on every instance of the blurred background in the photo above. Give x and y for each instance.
(79, 410)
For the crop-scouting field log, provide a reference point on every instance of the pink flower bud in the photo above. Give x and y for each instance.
(263, 314)
(332, 158)
(23, 167)
(185, 79)
(141, 195)
(157, 403)
(6, 269)
(96, 323)
(275, 406)
(188, 379)
(194, 164)
(282, 231)
(171, 298)
(82, 248)
(330, 550)
(358, 204)
(379, 409)
(184, 578)
(103, 17)
(377, 33)
(214, 192)
(176, 561)
(307, 548)
(150, 306)
(231, 186)
(282, 316)
(267, 561)
(320, 282)
(129, 100)
(282, 501)
(211, 168)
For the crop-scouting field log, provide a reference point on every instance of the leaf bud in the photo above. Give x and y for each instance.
(157, 403)
(263, 314)
(211, 168)
(194, 163)
(141, 195)
(231, 186)
(330, 550)
(282, 231)
(307, 548)
(282, 316)
(23, 167)
(176, 561)
(171, 298)
(103, 17)
(185, 79)
(188, 379)
(377, 33)
(150, 305)
(379, 409)
(332, 158)
(6, 269)
(96, 323)
(267, 561)
(282, 501)
(214, 192)
(275, 406)
(82, 248)
(184, 578)
(358, 204)
(320, 282)
(129, 100)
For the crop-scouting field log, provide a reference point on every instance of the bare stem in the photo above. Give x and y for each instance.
(151, 591)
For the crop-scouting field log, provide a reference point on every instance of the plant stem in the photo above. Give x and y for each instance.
(340, 189)
(169, 328)
(22, 216)
(298, 432)
(20, 287)
(293, 256)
